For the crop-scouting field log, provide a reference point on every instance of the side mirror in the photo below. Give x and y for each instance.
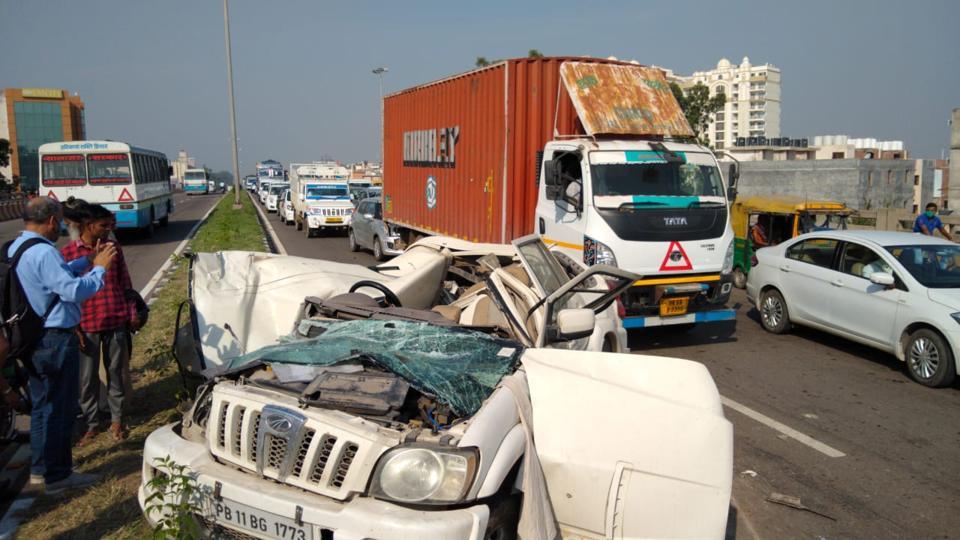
(882, 278)
(575, 324)
(551, 179)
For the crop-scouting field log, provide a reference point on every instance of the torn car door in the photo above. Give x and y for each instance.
(642, 451)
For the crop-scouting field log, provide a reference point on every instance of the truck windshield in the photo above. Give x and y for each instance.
(327, 191)
(656, 184)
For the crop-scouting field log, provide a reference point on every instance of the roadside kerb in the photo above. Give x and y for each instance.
(277, 246)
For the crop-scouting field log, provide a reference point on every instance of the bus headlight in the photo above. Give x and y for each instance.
(595, 252)
(424, 474)
(728, 260)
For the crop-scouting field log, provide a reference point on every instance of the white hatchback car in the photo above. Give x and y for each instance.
(899, 292)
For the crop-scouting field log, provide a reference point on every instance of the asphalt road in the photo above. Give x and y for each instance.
(144, 256)
(880, 454)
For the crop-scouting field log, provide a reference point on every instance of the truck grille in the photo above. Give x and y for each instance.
(331, 211)
(289, 446)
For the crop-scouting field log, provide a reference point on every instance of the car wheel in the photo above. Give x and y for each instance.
(739, 278)
(773, 312)
(352, 240)
(377, 249)
(929, 359)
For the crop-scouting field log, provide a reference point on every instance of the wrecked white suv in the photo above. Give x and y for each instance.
(451, 404)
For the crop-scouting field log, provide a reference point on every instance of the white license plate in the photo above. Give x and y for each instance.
(240, 516)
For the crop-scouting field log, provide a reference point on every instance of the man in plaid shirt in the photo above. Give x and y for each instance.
(106, 320)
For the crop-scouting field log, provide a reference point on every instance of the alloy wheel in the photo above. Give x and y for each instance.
(924, 357)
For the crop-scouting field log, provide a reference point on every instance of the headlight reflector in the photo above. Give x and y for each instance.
(424, 474)
(728, 260)
(595, 252)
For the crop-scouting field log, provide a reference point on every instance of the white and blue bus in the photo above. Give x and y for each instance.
(196, 181)
(133, 183)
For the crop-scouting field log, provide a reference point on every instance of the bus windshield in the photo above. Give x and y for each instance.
(194, 175)
(108, 169)
(327, 191)
(64, 170)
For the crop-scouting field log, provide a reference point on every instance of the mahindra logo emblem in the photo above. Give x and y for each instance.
(279, 423)
(675, 256)
(674, 221)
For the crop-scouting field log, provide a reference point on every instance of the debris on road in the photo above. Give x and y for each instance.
(794, 502)
(748, 472)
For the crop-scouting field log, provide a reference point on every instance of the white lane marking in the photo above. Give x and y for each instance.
(155, 280)
(273, 234)
(783, 428)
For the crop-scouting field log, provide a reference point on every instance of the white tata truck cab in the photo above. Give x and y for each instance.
(596, 156)
(320, 202)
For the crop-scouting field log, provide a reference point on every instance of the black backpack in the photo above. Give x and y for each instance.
(22, 325)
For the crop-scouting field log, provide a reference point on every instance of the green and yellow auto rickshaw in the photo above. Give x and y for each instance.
(767, 221)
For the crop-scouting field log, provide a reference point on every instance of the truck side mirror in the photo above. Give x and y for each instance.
(733, 177)
(551, 180)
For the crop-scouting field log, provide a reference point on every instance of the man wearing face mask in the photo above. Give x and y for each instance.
(928, 222)
(55, 290)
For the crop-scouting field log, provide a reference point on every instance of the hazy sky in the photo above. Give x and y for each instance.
(152, 72)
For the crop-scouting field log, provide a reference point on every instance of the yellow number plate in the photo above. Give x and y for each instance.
(670, 307)
(334, 220)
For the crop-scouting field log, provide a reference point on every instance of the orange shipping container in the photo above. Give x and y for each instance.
(462, 155)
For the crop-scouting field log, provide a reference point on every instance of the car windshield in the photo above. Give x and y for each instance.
(276, 190)
(326, 191)
(461, 367)
(657, 184)
(935, 266)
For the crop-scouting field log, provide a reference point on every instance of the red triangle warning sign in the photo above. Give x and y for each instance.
(125, 196)
(676, 258)
(52, 195)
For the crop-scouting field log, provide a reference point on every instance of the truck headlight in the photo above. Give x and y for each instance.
(424, 474)
(728, 260)
(595, 252)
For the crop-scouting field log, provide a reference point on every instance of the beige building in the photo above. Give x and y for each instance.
(753, 101)
(845, 147)
(180, 165)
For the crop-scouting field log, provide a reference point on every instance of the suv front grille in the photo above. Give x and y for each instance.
(310, 455)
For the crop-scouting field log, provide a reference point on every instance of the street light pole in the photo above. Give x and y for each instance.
(233, 110)
(379, 73)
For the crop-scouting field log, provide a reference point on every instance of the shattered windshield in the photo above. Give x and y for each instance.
(460, 367)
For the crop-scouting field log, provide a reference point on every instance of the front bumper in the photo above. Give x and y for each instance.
(390, 246)
(355, 519)
(322, 222)
(707, 301)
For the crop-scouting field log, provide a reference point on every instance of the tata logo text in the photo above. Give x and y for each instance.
(431, 147)
(675, 221)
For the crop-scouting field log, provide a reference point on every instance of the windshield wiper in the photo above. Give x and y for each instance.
(635, 204)
(705, 204)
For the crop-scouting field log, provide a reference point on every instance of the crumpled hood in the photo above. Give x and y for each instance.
(946, 297)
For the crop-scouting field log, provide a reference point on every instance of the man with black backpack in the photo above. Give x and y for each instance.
(40, 297)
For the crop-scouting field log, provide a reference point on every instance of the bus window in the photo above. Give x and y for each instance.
(108, 169)
(138, 169)
(64, 170)
(151, 169)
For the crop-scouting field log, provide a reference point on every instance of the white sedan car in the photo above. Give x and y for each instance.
(898, 292)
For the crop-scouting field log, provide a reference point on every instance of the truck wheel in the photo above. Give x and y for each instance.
(352, 241)
(504, 517)
(929, 359)
(377, 250)
(773, 312)
(739, 278)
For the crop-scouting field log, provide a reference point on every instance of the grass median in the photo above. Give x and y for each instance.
(110, 509)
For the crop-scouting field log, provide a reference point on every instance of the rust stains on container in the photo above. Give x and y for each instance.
(624, 100)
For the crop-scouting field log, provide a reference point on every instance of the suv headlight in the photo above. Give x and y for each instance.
(728, 260)
(425, 474)
(597, 253)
